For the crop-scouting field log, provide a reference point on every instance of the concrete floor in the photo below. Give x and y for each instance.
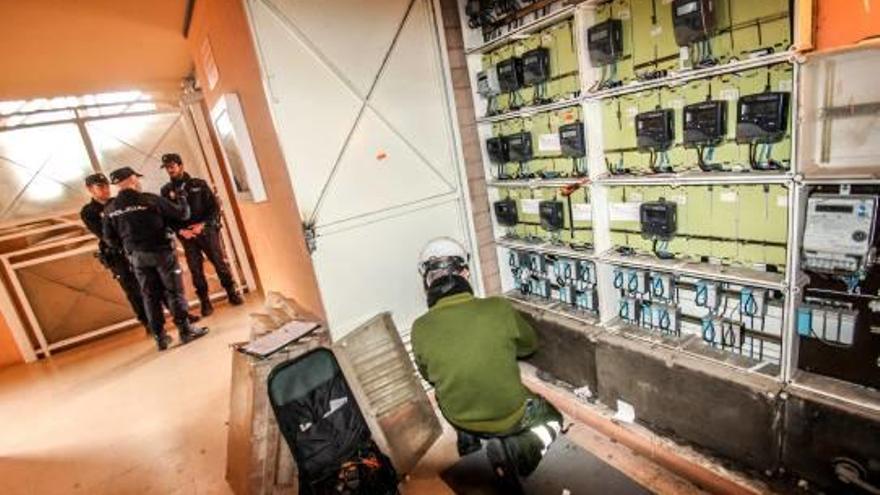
(117, 417)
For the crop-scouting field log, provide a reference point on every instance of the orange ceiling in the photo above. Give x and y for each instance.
(71, 47)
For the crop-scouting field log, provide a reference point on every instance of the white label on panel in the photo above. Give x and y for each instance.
(782, 201)
(624, 212)
(549, 142)
(728, 197)
(581, 212)
(785, 85)
(656, 30)
(730, 94)
(530, 206)
(684, 54)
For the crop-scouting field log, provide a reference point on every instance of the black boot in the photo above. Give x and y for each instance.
(190, 333)
(207, 307)
(235, 299)
(163, 341)
(193, 317)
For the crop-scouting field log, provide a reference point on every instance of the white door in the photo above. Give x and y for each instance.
(361, 102)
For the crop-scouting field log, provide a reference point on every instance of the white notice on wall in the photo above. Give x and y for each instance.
(549, 142)
(581, 212)
(728, 197)
(625, 412)
(530, 206)
(624, 212)
(730, 94)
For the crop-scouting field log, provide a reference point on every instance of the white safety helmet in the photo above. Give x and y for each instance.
(440, 257)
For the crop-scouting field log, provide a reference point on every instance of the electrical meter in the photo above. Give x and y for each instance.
(655, 130)
(552, 216)
(509, 74)
(762, 117)
(519, 147)
(496, 148)
(658, 219)
(487, 83)
(705, 123)
(605, 42)
(506, 212)
(693, 20)
(839, 233)
(571, 140)
(535, 66)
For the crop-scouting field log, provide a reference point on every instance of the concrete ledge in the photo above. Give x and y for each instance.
(703, 471)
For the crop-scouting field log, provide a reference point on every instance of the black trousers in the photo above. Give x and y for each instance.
(159, 275)
(124, 275)
(207, 245)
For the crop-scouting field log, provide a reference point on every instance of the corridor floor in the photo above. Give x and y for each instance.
(117, 417)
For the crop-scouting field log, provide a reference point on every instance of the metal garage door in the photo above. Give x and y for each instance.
(361, 103)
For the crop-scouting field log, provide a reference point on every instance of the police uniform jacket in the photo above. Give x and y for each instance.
(202, 202)
(92, 215)
(140, 221)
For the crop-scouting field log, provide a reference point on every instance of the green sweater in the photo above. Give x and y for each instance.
(467, 348)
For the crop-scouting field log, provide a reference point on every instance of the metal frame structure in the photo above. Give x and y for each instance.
(789, 283)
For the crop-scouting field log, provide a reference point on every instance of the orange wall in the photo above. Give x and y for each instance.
(8, 350)
(844, 22)
(273, 228)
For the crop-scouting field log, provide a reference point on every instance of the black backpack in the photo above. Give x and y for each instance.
(325, 430)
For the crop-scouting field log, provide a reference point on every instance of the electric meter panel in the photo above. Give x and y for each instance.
(571, 140)
(496, 148)
(487, 83)
(552, 215)
(605, 42)
(658, 219)
(762, 117)
(705, 123)
(655, 130)
(693, 20)
(506, 212)
(535, 66)
(509, 74)
(839, 232)
(519, 147)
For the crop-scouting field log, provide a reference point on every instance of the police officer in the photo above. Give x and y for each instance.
(200, 234)
(114, 259)
(139, 223)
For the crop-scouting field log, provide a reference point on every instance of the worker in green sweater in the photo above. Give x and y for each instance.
(467, 348)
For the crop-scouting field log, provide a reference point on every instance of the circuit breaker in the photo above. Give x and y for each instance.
(605, 42)
(655, 130)
(571, 140)
(693, 20)
(496, 148)
(762, 117)
(535, 66)
(839, 232)
(658, 219)
(510, 74)
(519, 147)
(506, 212)
(705, 123)
(552, 215)
(487, 83)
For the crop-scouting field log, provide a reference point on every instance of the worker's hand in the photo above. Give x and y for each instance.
(197, 228)
(186, 233)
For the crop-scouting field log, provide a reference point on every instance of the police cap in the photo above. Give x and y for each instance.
(120, 174)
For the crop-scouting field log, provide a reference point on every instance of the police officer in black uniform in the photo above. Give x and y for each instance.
(140, 224)
(113, 259)
(200, 234)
